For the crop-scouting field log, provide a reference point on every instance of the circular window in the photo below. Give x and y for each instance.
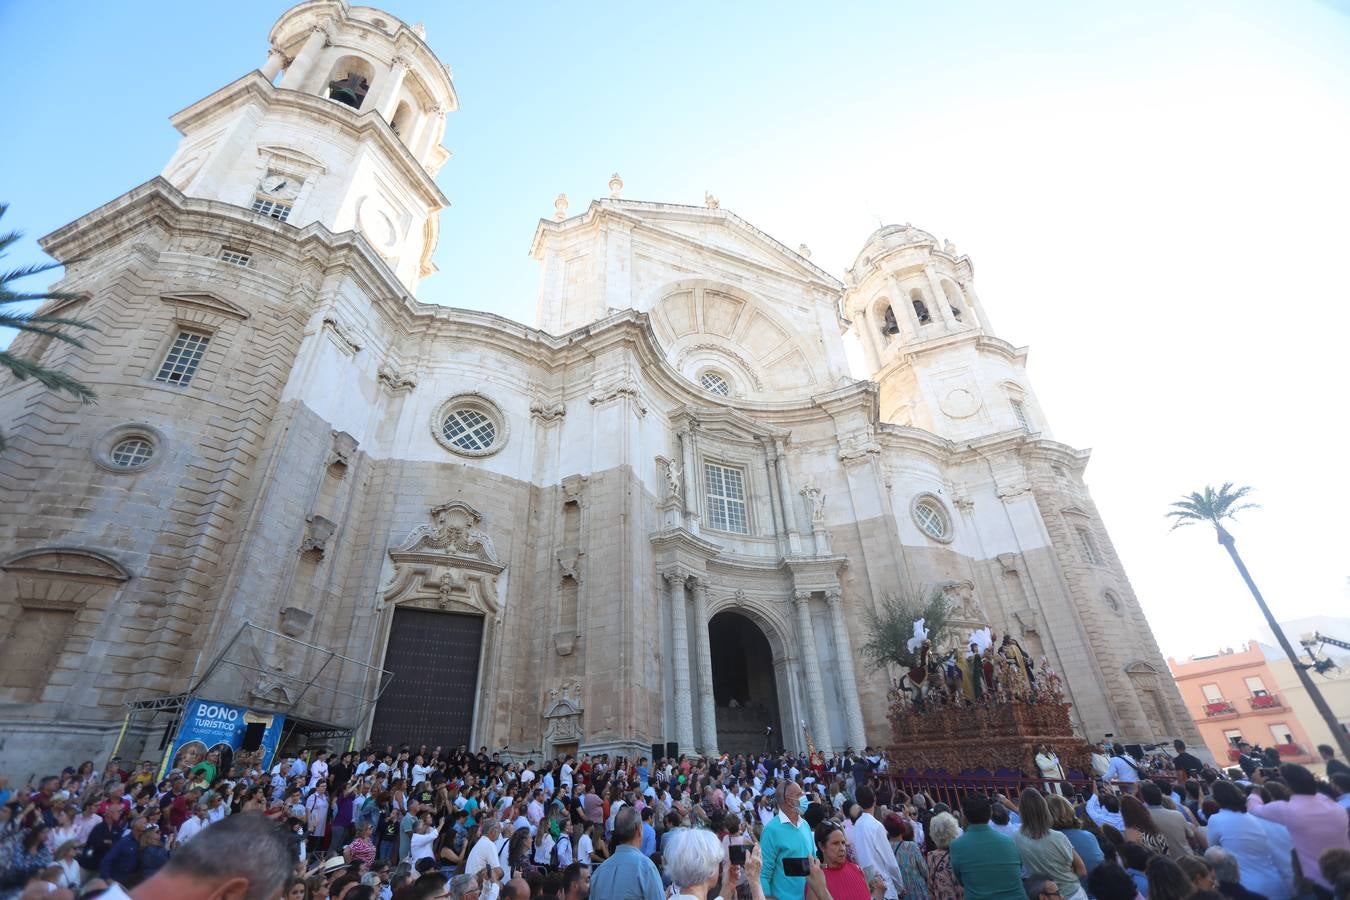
(1113, 602)
(931, 517)
(132, 453)
(128, 448)
(470, 425)
(715, 382)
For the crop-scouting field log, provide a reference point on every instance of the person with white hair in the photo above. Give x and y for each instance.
(694, 861)
(1229, 875)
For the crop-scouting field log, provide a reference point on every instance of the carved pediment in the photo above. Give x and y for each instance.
(66, 563)
(453, 531)
(448, 563)
(207, 300)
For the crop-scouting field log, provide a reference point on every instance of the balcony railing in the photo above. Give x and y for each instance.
(1290, 750)
(1265, 701)
(1220, 708)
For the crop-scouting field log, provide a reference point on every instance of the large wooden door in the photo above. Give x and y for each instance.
(434, 659)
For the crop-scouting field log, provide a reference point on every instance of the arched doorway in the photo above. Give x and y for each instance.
(744, 689)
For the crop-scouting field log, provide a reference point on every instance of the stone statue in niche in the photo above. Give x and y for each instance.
(815, 498)
(673, 472)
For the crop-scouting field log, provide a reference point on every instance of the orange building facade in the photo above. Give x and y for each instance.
(1233, 696)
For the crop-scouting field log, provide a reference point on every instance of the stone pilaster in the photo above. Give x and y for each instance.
(857, 735)
(707, 710)
(815, 691)
(785, 500)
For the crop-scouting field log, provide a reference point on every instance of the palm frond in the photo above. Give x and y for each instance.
(1212, 506)
(27, 271)
(50, 378)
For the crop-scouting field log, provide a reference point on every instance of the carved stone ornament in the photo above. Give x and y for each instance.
(547, 411)
(564, 700)
(454, 528)
(342, 453)
(618, 389)
(961, 602)
(393, 380)
(318, 532)
(447, 563)
(295, 621)
(859, 447)
(341, 335)
(569, 560)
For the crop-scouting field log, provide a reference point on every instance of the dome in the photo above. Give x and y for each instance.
(887, 238)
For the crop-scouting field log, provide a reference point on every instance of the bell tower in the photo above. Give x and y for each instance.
(342, 127)
(927, 341)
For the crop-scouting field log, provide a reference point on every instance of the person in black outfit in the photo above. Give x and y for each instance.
(1186, 762)
(1334, 765)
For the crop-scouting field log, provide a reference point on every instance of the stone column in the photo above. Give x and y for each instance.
(691, 479)
(389, 86)
(300, 68)
(707, 708)
(857, 735)
(785, 499)
(679, 657)
(940, 297)
(275, 61)
(903, 306)
(973, 303)
(815, 692)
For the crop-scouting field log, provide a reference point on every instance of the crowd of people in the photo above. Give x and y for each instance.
(430, 823)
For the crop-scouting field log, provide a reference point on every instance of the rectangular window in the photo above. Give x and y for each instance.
(1088, 546)
(278, 211)
(1212, 692)
(726, 498)
(1282, 734)
(235, 257)
(1233, 736)
(184, 356)
(1020, 413)
(1256, 686)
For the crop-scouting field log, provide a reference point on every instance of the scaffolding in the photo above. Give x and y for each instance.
(273, 673)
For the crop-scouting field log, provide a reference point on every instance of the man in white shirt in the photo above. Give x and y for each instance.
(535, 811)
(194, 824)
(875, 856)
(483, 854)
(584, 848)
(1123, 770)
(527, 777)
(565, 775)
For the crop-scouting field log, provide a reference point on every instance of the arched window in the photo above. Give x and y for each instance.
(715, 382)
(953, 298)
(889, 326)
(350, 81)
(920, 307)
(402, 122)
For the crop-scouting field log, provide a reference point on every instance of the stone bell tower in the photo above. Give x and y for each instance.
(927, 341)
(349, 136)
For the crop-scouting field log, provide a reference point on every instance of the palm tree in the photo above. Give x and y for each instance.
(1211, 508)
(11, 316)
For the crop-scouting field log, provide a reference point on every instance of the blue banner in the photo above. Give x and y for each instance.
(210, 736)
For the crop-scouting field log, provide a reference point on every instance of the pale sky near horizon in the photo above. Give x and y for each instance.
(1154, 196)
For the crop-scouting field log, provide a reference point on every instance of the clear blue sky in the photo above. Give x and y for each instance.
(1154, 195)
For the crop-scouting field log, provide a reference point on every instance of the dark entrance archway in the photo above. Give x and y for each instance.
(744, 687)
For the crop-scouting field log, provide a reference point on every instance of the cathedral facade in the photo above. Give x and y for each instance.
(660, 515)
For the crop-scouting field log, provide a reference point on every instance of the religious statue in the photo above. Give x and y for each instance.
(673, 482)
(816, 497)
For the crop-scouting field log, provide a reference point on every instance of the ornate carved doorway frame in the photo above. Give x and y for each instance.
(450, 565)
